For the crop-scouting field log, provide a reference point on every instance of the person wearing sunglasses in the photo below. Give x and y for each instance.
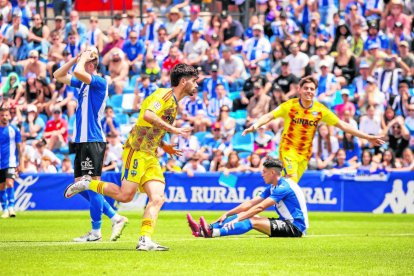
(94, 36)
(134, 49)
(397, 135)
(39, 35)
(33, 65)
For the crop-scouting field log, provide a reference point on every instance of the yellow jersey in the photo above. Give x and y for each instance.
(300, 125)
(145, 137)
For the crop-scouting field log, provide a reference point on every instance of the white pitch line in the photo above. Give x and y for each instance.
(360, 235)
(63, 243)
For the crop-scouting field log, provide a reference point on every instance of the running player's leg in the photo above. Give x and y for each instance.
(3, 195)
(10, 191)
(123, 193)
(302, 167)
(88, 162)
(155, 190)
(129, 186)
(118, 222)
(95, 210)
(290, 165)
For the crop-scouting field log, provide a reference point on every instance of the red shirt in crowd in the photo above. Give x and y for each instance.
(53, 125)
(169, 64)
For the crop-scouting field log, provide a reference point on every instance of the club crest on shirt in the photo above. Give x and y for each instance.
(157, 106)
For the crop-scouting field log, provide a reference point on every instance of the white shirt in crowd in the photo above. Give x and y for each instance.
(370, 126)
(325, 154)
(297, 63)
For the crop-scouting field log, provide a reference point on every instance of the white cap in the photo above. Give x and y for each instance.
(258, 27)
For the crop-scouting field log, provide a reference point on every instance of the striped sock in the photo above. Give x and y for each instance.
(97, 186)
(147, 227)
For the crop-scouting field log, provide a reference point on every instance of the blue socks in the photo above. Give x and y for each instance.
(98, 205)
(10, 197)
(218, 225)
(95, 209)
(240, 227)
(3, 200)
(107, 208)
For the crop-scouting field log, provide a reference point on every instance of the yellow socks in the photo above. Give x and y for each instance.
(147, 227)
(97, 186)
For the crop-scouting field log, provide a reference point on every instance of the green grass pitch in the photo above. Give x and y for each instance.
(38, 243)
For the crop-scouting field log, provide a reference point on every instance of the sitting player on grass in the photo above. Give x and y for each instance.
(282, 192)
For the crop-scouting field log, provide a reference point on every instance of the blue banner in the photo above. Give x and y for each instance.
(380, 193)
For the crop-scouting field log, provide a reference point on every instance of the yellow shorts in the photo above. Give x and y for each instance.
(140, 167)
(294, 165)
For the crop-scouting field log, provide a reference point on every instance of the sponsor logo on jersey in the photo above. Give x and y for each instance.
(305, 122)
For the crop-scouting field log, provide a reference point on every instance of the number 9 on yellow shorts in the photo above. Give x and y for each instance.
(293, 166)
(140, 167)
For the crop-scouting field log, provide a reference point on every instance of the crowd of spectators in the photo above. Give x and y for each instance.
(361, 53)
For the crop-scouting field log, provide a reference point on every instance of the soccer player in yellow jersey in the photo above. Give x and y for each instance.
(141, 169)
(301, 118)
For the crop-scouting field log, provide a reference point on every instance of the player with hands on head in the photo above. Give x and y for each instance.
(88, 137)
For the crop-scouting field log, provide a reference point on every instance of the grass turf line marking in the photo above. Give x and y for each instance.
(4, 244)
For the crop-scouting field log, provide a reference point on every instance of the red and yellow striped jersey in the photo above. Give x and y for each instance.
(144, 136)
(300, 125)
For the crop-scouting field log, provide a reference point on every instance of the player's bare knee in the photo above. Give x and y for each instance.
(158, 200)
(128, 196)
(254, 221)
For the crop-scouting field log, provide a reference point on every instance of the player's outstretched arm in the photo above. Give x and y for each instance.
(254, 210)
(260, 122)
(376, 140)
(61, 74)
(156, 121)
(242, 207)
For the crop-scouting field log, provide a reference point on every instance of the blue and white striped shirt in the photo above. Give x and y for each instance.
(9, 154)
(209, 86)
(192, 107)
(290, 202)
(189, 25)
(90, 110)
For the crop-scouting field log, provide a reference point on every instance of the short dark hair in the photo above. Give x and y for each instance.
(308, 79)
(72, 33)
(274, 164)
(4, 108)
(182, 71)
(108, 107)
(162, 28)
